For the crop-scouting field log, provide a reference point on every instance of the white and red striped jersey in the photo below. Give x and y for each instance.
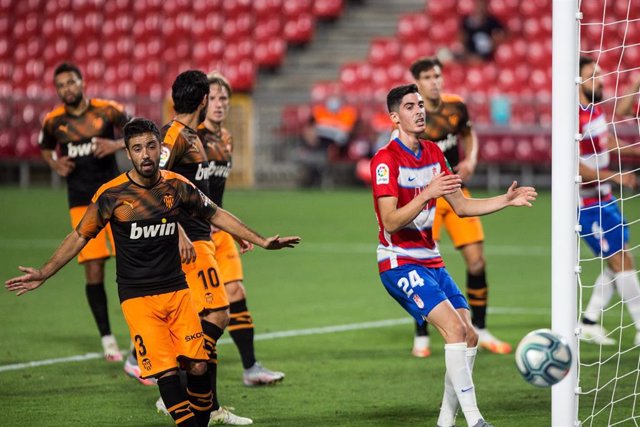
(397, 171)
(594, 152)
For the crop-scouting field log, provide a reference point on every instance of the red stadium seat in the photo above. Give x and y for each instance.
(264, 8)
(384, 50)
(299, 30)
(7, 144)
(411, 24)
(270, 53)
(328, 9)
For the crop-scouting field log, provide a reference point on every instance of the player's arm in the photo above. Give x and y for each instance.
(62, 165)
(103, 147)
(515, 196)
(185, 246)
(229, 223)
(624, 106)
(627, 179)
(34, 278)
(467, 167)
(626, 148)
(394, 218)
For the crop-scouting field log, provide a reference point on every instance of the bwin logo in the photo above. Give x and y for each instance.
(79, 150)
(202, 173)
(155, 230)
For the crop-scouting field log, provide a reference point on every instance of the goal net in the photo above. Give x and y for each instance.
(608, 237)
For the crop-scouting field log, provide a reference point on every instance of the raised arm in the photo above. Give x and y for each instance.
(515, 196)
(229, 223)
(34, 278)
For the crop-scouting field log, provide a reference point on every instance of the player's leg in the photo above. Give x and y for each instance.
(421, 341)
(628, 286)
(603, 290)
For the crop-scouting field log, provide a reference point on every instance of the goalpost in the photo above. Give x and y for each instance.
(603, 386)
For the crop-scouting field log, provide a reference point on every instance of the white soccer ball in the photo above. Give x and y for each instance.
(543, 358)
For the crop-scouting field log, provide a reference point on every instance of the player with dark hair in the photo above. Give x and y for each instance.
(219, 147)
(603, 227)
(78, 142)
(449, 126)
(184, 153)
(144, 206)
(409, 174)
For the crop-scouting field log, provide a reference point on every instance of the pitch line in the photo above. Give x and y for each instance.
(282, 334)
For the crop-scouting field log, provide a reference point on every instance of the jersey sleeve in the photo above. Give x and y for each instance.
(465, 119)
(195, 202)
(46, 139)
(96, 216)
(118, 115)
(384, 173)
(173, 147)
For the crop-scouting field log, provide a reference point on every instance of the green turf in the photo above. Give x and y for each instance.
(352, 378)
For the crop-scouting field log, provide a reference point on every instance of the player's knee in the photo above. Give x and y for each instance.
(471, 337)
(458, 332)
(476, 265)
(198, 368)
(220, 318)
(167, 374)
(235, 291)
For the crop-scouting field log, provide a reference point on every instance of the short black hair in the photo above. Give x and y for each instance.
(67, 67)
(395, 95)
(188, 90)
(424, 64)
(584, 61)
(137, 126)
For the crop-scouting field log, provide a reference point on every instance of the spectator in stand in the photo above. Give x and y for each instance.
(329, 130)
(480, 33)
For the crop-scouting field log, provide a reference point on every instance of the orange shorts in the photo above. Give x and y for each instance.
(462, 231)
(205, 280)
(164, 328)
(97, 247)
(227, 256)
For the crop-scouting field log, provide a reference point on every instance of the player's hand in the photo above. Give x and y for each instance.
(245, 245)
(465, 169)
(64, 166)
(629, 180)
(186, 248)
(277, 242)
(520, 196)
(103, 146)
(27, 282)
(441, 185)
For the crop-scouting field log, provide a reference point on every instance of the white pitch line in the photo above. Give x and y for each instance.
(282, 334)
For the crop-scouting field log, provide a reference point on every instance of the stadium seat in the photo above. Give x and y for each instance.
(270, 52)
(384, 50)
(7, 144)
(299, 29)
(328, 9)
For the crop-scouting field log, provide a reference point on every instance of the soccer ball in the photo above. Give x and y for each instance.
(543, 358)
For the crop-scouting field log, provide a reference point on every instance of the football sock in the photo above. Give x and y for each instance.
(241, 330)
(176, 401)
(200, 396)
(211, 335)
(457, 369)
(629, 290)
(97, 298)
(449, 405)
(422, 330)
(600, 297)
(477, 293)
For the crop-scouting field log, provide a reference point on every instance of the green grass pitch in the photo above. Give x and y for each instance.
(361, 376)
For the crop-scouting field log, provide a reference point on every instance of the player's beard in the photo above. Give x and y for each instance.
(595, 97)
(147, 174)
(75, 101)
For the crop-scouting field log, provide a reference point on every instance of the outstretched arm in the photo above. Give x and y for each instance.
(229, 223)
(515, 196)
(34, 278)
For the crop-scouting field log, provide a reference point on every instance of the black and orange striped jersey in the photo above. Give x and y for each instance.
(183, 152)
(71, 135)
(144, 222)
(218, 145)
(445, 125)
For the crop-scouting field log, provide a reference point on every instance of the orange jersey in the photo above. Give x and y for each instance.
(445, 126)
(183, 153)
(144, 222)
(219, 147)
(71, 135)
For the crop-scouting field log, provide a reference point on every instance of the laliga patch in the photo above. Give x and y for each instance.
(164, 156)
(382, 174)
(418, 301)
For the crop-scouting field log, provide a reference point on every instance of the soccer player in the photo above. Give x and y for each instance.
(184, 153)
(143, 206)
(83, 130)
(599, 216)
(448, 125)
(409, 174)
(218, 144)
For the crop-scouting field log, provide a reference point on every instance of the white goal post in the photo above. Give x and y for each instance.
(564, 128)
